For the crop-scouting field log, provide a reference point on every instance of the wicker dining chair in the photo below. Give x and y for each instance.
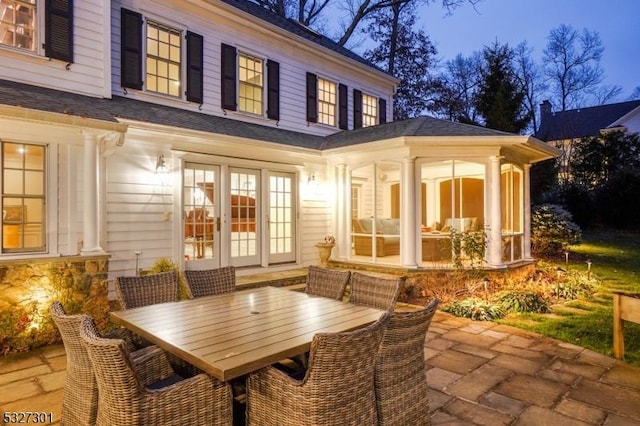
(136, 291)
(210, 281)
(80, 395)
(147, 391)
(400, 381)
(337, 388)
(375, 291)
(326, 282)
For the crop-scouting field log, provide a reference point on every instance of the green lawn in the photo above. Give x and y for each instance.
(615, 262)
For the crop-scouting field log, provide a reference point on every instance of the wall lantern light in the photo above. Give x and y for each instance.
(161, 165)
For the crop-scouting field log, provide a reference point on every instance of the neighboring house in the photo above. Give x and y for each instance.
(212, 132)
(562, 129)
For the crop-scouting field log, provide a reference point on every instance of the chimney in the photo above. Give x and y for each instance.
(545, 109)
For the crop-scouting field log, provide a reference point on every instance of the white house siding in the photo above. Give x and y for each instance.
(136, 200)
(87, 75)
(632, 121)
(218, 26)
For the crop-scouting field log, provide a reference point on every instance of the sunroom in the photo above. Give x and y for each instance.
(427, 193)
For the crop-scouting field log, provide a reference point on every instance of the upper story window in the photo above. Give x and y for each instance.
(251, 84)
(327, 102)
(369, 111)
(163, 59)
(23, 197)
(21, 27)
(248, 72)
(18, 23)
(168, 60)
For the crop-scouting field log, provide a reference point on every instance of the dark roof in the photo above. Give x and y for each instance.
(578, 123)
(419, 126)
(298, 29)
(43, 99)
(109, 110)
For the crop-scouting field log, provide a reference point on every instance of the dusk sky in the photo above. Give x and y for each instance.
(514, 21)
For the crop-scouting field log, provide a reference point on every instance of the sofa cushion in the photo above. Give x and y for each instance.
(388, 226)
(365, 224)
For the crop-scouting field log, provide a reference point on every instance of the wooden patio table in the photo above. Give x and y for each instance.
(232, 334)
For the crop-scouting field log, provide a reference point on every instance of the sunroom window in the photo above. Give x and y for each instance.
(18, 23)
(23, 198)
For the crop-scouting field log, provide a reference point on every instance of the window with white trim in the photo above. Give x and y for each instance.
(163, 66)
(18, 24)
(369, 110)
(327, 102)
(251, 84)
(23, 197)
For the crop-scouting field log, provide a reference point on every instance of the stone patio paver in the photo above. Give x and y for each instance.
(538, 416)
(532, 390)
(579, 411)
(618, 399)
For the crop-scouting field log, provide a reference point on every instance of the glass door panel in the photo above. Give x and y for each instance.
(201, 214)
(245, 228)
(281, 217)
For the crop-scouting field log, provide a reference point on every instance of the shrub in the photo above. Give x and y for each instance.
(575, 286)
(523, 301)
(552, 230)
(474, 308)
(164, 264)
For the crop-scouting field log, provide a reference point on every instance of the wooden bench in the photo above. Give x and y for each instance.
(626, 307)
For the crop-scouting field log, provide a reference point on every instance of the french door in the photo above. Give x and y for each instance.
(282, 217)
(245, 218)
(201, 207)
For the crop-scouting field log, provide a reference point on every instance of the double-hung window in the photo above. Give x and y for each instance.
(23, 197)
(172, 58)
(21, 27)
(18, 23)
(327, 102)
(251, 84)
(369, 110)
(242, 84)
(163, 70)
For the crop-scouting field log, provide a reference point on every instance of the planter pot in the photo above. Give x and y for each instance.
(324, 252)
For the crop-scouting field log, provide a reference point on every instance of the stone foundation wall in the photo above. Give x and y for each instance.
(28, 287)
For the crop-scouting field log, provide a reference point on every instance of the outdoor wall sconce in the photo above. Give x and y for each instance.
(161, 166)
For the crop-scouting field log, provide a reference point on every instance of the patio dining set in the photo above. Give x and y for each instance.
(335, 354)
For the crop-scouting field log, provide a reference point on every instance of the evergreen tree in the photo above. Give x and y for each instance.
(500, 99)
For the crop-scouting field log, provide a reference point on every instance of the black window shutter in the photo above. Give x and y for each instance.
(194, 67)
(273, 90)
(58, 29)
(343, 111)
(382, 111)
(312, 98)
(357, 109)
(130, 49)
(228, 61)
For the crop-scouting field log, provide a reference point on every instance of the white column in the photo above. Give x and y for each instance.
(343, 209)
(526, 254)
(91, 230)
(495, 221)
(408, 212)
